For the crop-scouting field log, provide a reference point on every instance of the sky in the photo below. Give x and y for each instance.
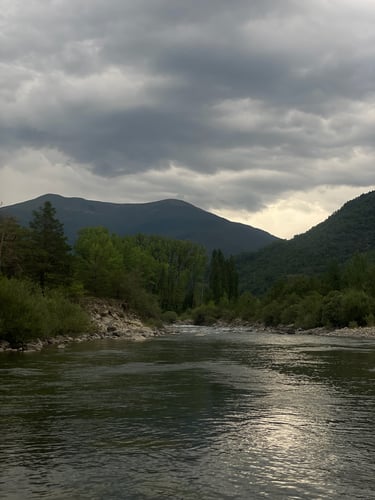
(260, 111)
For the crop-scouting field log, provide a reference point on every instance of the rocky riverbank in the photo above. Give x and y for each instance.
(109, 319)
(355, 332)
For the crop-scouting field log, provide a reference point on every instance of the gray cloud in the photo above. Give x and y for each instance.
(276, 96)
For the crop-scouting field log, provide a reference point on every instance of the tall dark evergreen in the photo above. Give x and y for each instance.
(232, 279)
(223, 277)
(12, 237)
(49, 259)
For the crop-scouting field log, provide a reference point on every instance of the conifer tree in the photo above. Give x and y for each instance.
(11, 242)
(49, 260)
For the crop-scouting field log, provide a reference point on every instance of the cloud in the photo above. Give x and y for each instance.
(239, 107)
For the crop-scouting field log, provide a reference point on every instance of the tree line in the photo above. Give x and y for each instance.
(42, 280)
(158, 278)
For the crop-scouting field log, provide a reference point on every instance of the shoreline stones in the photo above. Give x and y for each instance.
(109, 321)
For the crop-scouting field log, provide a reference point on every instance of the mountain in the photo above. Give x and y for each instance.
(171, 218)
(346, 232)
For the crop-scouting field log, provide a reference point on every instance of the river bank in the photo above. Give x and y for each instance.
(354, 332)
(109, 320)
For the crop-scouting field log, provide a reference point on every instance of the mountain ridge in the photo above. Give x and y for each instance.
(348, 230)
(171, 217)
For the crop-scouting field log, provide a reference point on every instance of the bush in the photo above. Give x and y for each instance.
(289, 314)
(356, 307)
(309, 311)
(65, 317)
(248, 307)
(205, 314)
(169, 317)
(26, 314)
(332, 310)
(271, 313)
(344, 308)
(23, 312)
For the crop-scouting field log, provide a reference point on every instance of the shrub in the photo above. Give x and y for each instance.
(271, 313)
(309, 311)
(205, 314)
(26, 314)
(356, 307)
(65, 317)
(23, 312)
(248, 307)
(332, 310)
(169, 317)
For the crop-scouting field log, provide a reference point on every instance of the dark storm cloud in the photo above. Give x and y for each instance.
(129, 87)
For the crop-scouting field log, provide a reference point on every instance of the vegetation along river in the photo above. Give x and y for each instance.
(204, 414)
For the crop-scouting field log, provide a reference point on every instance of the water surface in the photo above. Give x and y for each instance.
(206, 414)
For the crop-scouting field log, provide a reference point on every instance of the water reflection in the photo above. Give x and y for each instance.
(220, 414)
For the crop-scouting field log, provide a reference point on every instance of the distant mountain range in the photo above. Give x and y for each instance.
(348, 231)
(171, 218)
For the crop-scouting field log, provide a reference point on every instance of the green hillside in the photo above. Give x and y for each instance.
(348, 231)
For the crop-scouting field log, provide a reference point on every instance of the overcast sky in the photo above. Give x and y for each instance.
(261, 111)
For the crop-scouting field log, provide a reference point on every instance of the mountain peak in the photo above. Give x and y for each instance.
(172, 218)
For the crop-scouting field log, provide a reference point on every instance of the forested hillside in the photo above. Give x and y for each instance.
(346, 232)
(42, 277)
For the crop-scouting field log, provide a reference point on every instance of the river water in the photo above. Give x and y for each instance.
(205, 414)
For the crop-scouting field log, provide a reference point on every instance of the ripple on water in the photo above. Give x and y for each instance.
(222, 415)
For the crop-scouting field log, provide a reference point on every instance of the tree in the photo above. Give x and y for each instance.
(11, 246)
(99, 264)
(49, 259)
(176, 270)
(223, 277)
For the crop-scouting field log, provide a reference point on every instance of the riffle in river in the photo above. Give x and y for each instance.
(207, 413)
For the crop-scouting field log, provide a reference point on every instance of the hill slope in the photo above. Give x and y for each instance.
(172, 218)
(347, 231)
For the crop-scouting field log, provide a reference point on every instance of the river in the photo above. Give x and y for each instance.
(204, 414)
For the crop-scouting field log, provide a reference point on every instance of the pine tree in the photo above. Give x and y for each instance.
(11, 246)
(223, 277)
(49, 259)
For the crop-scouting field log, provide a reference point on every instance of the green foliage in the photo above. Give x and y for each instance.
(47, 259)
(27, 314)
(223, 277)
(271, 313)
(161, 279)
(309, 312)
(138, 299)
(356, 307)
(206, 314)
(149, 273)
(343, 296)
(247, 307)
(99, 263)
(169, 317)
(23, 312)
(180, 271)
(12, 243)
(320, 250)
(65, 317)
